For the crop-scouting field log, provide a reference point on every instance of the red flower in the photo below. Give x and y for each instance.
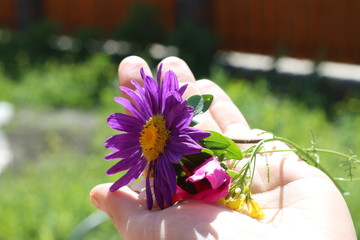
(210, 180)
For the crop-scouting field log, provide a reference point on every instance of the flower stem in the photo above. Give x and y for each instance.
(246, 141)
(304, 153)
(309, 157)
(231, 173)
(343, 155)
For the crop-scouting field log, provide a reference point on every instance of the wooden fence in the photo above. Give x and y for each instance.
(314, 29)
(102, 14)
(74, 14)
(8, 14)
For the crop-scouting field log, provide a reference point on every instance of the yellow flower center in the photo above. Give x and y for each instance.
(153, 137)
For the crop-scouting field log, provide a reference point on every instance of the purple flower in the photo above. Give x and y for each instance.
(155, 137)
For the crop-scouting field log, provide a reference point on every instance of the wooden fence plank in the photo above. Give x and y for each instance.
(8, 14)
(315, 29)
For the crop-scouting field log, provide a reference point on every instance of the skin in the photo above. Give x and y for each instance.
(299, 201)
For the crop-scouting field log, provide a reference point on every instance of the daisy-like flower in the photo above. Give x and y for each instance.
(154, 137)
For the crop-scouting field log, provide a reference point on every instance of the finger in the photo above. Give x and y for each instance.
(185, 76)
(129, 69)
(183, 73)
(121, 206)
(228, 117)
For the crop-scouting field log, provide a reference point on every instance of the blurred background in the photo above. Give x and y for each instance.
(292, 67)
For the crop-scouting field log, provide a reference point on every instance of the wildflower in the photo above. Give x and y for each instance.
(154, 138)
(210, 180)
(254, 210)
(245, 204)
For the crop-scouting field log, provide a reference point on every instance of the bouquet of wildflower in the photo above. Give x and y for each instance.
(159, 141)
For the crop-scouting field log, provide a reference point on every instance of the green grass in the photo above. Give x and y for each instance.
(47, 197)
(43, 86)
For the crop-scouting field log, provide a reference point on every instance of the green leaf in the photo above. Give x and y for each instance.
(197, 102)
(220, 144)
(200, 103)
(207, 151)
(231, 152)
(194, 123)
(216, 141)
(208, 98)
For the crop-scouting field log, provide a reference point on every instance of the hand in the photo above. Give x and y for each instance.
(299, 201)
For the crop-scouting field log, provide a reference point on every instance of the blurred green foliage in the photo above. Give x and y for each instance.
(136, 33)
(313, 90)
(46, 198)
(32, 42)
(86, 42)
(59, 84)
(142, 27)
(197, 46)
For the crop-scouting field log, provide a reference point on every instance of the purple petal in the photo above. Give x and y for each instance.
(123, 153)
(139, 100)
(158, 186)
(195, 134)
(123, 122)
(130, 176)
(122, 141)
(173, 108)
(113, 155)
(184, 118)
(151, 91)
(183, 144)
(124, 164)
(151, 94)
(149, 198)
(153, 101)
(182, 89)
(130, 107)
(167, 172)
(150, 85)
(172, 157)
(145, 104)
(169, 83)
(158, 76)
(138, 87)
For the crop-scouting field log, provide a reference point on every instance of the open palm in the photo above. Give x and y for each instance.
(299, 201)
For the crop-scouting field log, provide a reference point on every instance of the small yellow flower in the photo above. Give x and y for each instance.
(245, 204)
(237, 204)
(254, 210)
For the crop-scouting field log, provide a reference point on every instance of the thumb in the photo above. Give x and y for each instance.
(121, 206)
